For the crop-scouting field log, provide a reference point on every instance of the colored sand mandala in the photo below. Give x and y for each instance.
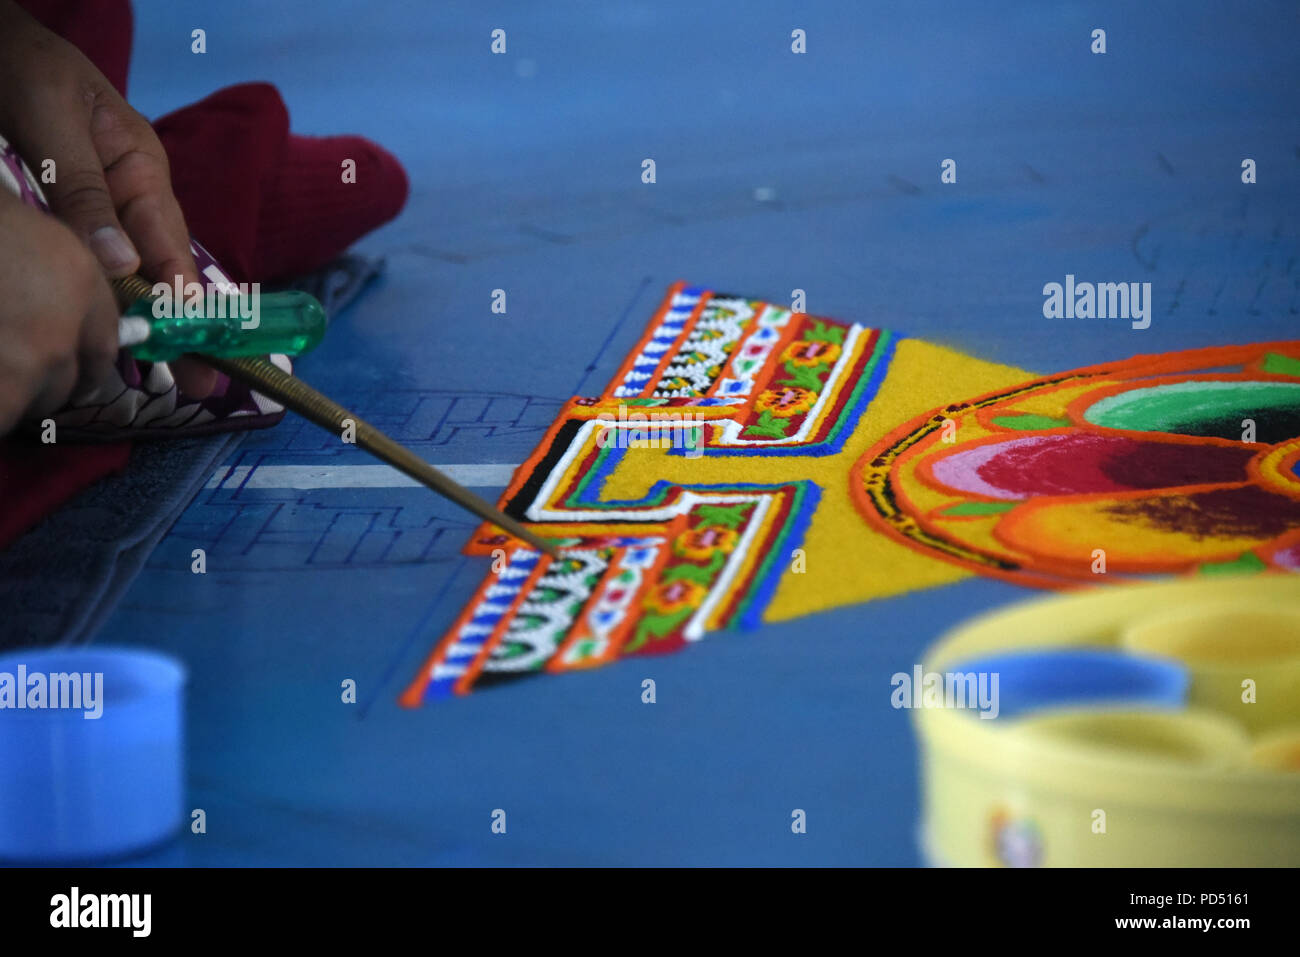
(733, 472)
(1185, 462)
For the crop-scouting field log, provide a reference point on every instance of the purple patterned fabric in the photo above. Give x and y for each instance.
(17, 178)
(142, 400)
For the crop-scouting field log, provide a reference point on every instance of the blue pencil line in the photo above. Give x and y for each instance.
(591, 366)
(416, 632)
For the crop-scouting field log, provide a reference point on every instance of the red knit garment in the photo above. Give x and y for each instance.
(101, 30)
(36, 479)
(275, 207)
(310, 214)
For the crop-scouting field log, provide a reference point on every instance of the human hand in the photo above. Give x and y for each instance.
(58, 320)
(112, 184)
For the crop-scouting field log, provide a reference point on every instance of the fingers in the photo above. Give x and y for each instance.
(112, 187)
(22, 375)
(139, 182)
(194, 378)
(81, 198)
(58, 320)
(59, 381)
(110, 180)
(79, 194)
(83, 368)
(97, 344)
(112, 184)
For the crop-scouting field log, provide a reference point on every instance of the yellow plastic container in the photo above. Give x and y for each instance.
(1244, 658)
(1123, 786)
(1278, 751)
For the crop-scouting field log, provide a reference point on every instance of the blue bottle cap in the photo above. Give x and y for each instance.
(91, 752)
(1074, 677)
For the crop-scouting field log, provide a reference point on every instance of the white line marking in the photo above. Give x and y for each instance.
(353, 476)
(221, 480)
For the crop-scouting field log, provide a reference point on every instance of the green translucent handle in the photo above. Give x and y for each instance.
(289, 322)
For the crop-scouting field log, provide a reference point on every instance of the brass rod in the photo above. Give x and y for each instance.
(318, 408)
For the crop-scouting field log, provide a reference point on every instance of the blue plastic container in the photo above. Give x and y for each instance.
(78, 787)
(1075, 677)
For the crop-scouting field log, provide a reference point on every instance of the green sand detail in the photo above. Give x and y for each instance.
(657, 626)
(979, 508)
(778, 549)
(806, 377)
(1185, 406)
(768, 426)
(1278, 364)
(729, 516)
(868, 372)
(1029, 421)
(1247, 563)
(818, 331)
(699, 574)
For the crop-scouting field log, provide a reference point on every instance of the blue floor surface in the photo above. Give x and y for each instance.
(526, 176)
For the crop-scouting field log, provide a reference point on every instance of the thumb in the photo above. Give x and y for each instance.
(79, 196)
